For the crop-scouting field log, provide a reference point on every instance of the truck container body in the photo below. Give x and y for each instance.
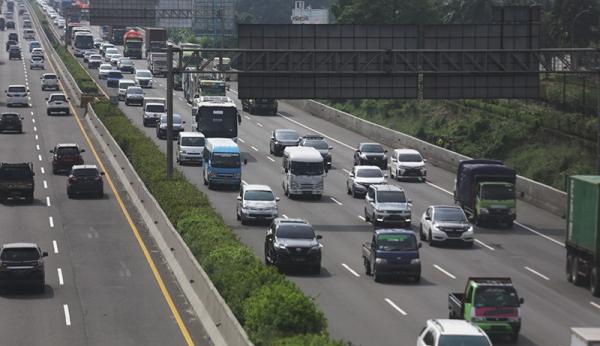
(132, 44)
(156, 40)
(485, 189)
(116, 37)
(583, 227)
(585, 337)
(69, 31)
(157, 63)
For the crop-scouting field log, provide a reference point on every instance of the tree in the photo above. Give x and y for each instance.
(577, 21)
(387, 11)
(272, 11)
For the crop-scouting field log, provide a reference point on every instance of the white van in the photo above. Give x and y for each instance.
(190, 146)
(303, 172)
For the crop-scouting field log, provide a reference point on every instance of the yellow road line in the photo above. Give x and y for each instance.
(134, 229)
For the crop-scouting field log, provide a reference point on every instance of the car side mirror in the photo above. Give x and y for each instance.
(102, 173)
(385, 151)
(351, 175)
(239, 198)
(428, 218)
(183, 122)
(424, 160)
(51, 151)
(409, 201)
(22, 118)
(28, 90)
(272, 138)
(245, 161)
(319, 236)
(521, 301)
(385, 175)
(330, 148)
(394, 160)
(44, 254)
(419, 246)
(277, 199)
(82, 151)
(45, 98)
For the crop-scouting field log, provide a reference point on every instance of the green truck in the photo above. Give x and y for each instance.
(485, 189)
(490, 302)
(583, 232)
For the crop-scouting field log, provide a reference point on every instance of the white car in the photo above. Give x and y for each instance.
(152, 112)
(57, 103)
(104, 69)
(361, 177)
(123, 85)
(109, 51)
(134, 95)
(440, 332)
(441, 223)
(61, 23)
(114, 59)
(405, 163)
(256, 203)
(95, 60)
(104, 46)
(143, 78)
(17, 95)
(49, 81)
(28, 34)
(36, 62)
(37, 52)
(190, 146)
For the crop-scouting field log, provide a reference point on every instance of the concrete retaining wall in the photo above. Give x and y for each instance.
(540, 195)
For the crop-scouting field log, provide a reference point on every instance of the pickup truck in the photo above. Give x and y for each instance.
(392, 252)
(490, 302)
(16, 181)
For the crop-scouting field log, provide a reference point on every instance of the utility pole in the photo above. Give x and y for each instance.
(170, 85)
(598, 120)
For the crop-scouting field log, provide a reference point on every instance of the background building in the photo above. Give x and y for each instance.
(302, 14)
(212, 15)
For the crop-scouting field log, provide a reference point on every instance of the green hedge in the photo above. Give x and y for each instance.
(272, 309)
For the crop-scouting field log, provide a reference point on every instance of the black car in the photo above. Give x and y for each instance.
(22, 264)
(85, 179)
(14, 52)
(11, 43)
(16, 181)
(260, 106)
(292, 242)
(282, 138)
(13, 36)
(371, 154)
(112, 78)
(11, 122)
(10, 24)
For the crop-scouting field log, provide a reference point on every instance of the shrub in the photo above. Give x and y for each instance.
(307, 340)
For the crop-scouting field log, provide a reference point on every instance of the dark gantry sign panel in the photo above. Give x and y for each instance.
(324, 74)
(121, 13)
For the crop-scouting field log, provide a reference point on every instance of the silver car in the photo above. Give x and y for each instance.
(256, 203)
(134, 95)
(36, 62)
(387, 204)
(361, 177)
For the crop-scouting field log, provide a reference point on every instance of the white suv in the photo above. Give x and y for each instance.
(452, 332)
(49, 81)
(57, 103)
(123, 85)
(17, 95)
(405, 163)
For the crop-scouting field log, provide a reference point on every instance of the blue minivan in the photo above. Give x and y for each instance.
(222, 163)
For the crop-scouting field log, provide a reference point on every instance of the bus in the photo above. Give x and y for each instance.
(216, 116)
(82, 42)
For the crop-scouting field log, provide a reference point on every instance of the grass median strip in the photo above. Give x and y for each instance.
(273, 310)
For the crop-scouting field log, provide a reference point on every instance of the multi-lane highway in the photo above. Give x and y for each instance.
(393, 313)
(100, 286)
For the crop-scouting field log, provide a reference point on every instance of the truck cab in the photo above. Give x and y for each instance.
(304, 171)
(490, 302)
(392, 252)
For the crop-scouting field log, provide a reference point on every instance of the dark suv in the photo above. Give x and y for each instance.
(85, 179)
(282, 138)
(11, 122)
(293, 242)
(22, 264)
(65, 157)
(265, 106)
(14, 52)
(10, 43)
(371, 154)
(16, 181)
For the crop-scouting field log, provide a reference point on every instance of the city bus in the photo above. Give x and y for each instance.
(216, 116)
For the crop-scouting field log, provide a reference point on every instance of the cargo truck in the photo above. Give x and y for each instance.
(132, 44)
(157, 63)
(585, 337)
(583, 229)
(116, 36)
(485, 189)
(491, 303)
(156, 40)
(392, 253)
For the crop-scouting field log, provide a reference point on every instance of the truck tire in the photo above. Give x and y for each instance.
(595, 282)
(29, 198)
(575, 277)
(514, 337)
(367, 267)
(376, 277)
(317, 269)
(417, 278)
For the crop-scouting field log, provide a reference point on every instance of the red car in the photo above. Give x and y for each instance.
(65, 157)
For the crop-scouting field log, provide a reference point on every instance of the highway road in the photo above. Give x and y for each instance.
(393, 313)
(100, 288)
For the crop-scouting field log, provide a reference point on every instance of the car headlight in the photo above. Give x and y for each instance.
(294, 184)
(280, 246)
(484, 211)
(183, 152)
(380, 261)
(469, 229)
(415, 261)
(363, 156)
(212, 174)
(379, 211)
(316, 247)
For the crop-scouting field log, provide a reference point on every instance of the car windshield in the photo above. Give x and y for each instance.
(306, 168)
(497, 192)
(20, 254)
(143, 74)
(176, 119)
(50, 76)
(396, 242)
(19, 89)
(155, 108)
(371, 148)
(15, 172)
(112, 51)
(225, 160)
(449, 214)
(316, 144)
(391, 197)
(295, 231)
(115, 74)
(61, 98)
(369, 173)
(126, 62)
(287, 135)
(105, 67)
(410, 158)
(257, 195)
(10, 116)
(85, 172)
(192, 141)
(68, 151)
(126, 85)
(135, 91)
(496, 297)
(95, 57)
(37, 59)
(463, 340)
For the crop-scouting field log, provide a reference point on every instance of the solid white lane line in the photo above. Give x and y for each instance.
(67, 315)
(40, 157)
(346, 171)
(247, 117)
(51, 221)
(336, 201)
(60, 277)
(270, 158)
(438, 187)
(444, 271)
(245, 183)
(37, 146)
(285, 216)
(350, 270)
(317, 132)
(34, 128)
(540, 234)
(537, 273)
(361, 217)
(48, 200)
(241, 140)
(45, 184)
(484, 244)
(55, 246)
(389, 301)
(595, 305)
(42, 169)
(259, 124)
(254, 148)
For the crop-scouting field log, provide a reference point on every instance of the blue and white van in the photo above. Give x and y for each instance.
(222, 163)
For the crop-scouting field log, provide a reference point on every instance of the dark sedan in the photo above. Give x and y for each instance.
(12, 122)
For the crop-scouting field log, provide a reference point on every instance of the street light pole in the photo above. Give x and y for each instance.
(170, 85)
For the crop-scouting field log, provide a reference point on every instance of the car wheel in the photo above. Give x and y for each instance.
(70, 194)
(353, 192)
(100, 194)
(41, 287)
(237, 215)
(594, 282)
(367, 218)
(29, 198)
(569, 267)
(430, 238)
(576, 279)
(417, 278)
(367, 267)
(376, 277)
(421, 235)
(317, 269)
(348, 189)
